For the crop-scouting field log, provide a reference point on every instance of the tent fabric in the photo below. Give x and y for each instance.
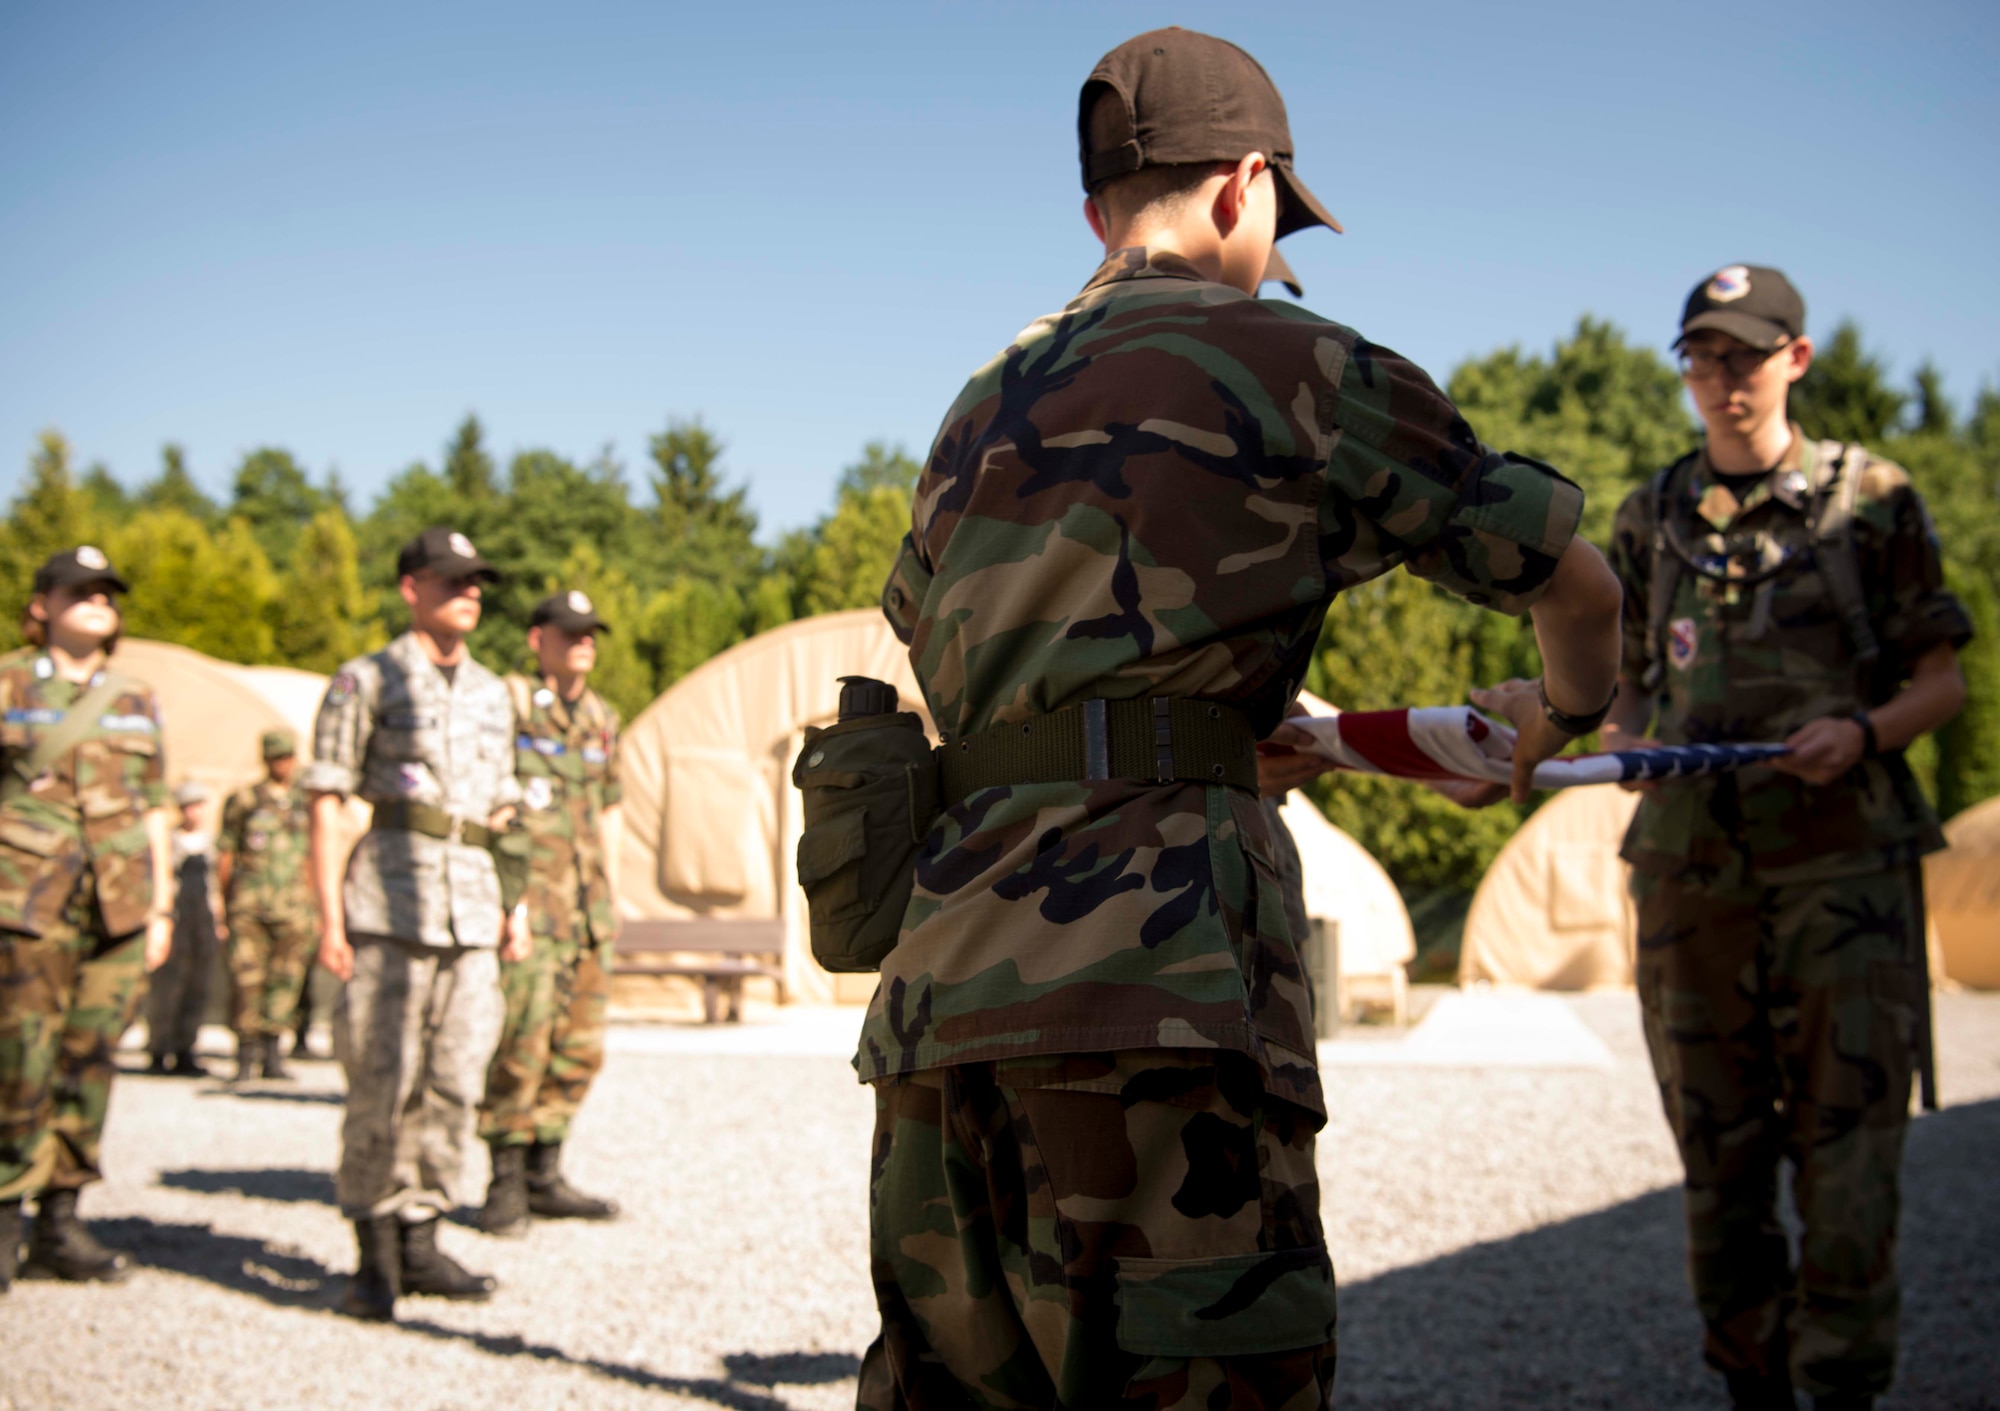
(293, 693)
(1554, 911)
(1962, 887)
(1346, 885)
(213, 718)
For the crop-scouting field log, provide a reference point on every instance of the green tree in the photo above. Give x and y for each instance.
(321, 617)
(174, 489)
(272, 494)
(706, 531)
(1845, 394)
(49, 514)
(213, 592)
(685, 624)
(468, 469)
(105, 500)
(847, 556)
(1602, 411)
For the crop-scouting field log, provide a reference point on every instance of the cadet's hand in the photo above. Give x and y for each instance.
(159, 941)
(1536, 739)
(1823, 750)
(1284, 762)
(335, 954)
(502, 819)
(1619, 740)
(516, 942)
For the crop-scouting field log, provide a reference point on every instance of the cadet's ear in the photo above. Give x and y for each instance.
(406, 586)
(1799, 353)
(535, 640)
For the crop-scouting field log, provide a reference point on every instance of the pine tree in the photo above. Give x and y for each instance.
(174, 489)
(212, 591)
(1845, 394)
(707, 531)
(320, 616)
(273, 495)
(48, 515)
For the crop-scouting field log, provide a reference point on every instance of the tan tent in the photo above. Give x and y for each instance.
(1346, 887)
(1962, 885)
(213, 716)
(711, 818)
(293, 693)
(1553, 911)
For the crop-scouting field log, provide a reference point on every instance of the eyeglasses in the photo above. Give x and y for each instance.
(1738, 362)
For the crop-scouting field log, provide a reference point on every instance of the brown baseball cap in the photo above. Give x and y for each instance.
(1751, 303)
(1191, 97)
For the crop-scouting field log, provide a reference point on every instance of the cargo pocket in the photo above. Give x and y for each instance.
(39, 868)
(1240, 1305)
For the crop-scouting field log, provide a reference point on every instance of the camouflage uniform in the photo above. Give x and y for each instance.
(552, 1042)
(273, 929)
(76, 883)
(1156, 491)
(416, 1023)
(1781, 933)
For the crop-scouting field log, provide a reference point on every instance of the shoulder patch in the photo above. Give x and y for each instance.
(342, 686)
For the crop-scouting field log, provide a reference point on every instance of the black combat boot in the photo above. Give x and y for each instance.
(62, 1247)
(187, 1065)
(274, 1060)
(549, 1195)
(162, 1066)
(10, 1242)
(378, 1277)
(429, 1270)
(506, 1211)
(249, 1057)
(1761, 1391)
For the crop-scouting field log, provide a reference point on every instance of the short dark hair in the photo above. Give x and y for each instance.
(1161, 191)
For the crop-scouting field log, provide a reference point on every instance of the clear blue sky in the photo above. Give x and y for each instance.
(338, 228)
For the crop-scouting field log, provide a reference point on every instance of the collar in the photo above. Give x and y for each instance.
(1789, 482)
(1138, 262)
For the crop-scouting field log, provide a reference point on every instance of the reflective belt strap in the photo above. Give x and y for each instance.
(1161, 739)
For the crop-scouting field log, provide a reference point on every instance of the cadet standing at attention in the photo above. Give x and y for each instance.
(1782, 588)
(261, 857)
(1096, 1090)
(552, 1044)
(423, 733)
(86, 901)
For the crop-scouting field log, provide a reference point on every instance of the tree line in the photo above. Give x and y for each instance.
(285, 571)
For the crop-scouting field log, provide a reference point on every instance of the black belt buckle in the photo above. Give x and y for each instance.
(1163, 738)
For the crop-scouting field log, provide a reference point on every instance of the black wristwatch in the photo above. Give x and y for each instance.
(1870, 746)
(1574, 724)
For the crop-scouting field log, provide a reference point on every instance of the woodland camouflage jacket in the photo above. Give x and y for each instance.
(566, 757)
(1158, 491)
(1738, 673)
(265, 832)
(87, 810)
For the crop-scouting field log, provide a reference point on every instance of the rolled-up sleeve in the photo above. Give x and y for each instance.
(340, 734)
(1409, 482)
(1913, 610)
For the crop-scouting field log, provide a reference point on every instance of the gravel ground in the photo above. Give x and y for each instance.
(1506, 1237)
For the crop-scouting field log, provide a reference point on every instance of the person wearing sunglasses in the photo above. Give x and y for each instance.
(1780, 587)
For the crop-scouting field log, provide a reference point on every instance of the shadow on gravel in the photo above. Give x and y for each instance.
(273, 1095)
(792, 1368)
(1596, 1312)
(289, 1185)
(281, 1277)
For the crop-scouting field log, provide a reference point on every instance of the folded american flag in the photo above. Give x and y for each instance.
(1457, 742)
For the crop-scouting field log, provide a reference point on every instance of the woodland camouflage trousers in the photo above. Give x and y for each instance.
(269, 960)
(1782, 1023)
(551, 1045)
(66, 997)
(1136, 1229)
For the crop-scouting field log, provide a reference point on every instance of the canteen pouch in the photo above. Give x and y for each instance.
(870, 792)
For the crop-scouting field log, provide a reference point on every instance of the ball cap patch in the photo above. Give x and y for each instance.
(1729, 284)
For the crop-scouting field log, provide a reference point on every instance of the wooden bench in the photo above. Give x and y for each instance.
(721, 954)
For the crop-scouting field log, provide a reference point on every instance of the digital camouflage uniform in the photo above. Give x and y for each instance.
(1781, 936)
(552, 1042)
(273, 921)
(1092, 1046)
(416, 1023)
(76, 883)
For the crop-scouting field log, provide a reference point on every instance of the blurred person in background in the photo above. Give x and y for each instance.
(86, 902)
(424, 734)
(552, 1043)
(178, 998)
(261, 856)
